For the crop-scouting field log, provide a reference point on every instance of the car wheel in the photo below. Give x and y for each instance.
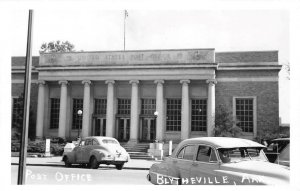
(119, 166)
(94, 163)
(67, 162)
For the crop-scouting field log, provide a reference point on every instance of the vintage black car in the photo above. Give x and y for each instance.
(275, 147)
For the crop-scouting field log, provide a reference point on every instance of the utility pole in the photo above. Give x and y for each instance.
(27, 85)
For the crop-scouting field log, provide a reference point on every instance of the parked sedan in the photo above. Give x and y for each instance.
(284, 157)
(275, 147)
(218, 161)
(93, 151)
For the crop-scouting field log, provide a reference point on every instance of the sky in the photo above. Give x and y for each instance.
(103, 30)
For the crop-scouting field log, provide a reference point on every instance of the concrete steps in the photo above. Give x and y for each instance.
(137, 150)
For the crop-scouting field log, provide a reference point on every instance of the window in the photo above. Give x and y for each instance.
(17, 113)
(173, 114)
(109, 141)
(148, 106)
(206, 154)
(77, 119)
(95, 142)
(241, 154)
(199, 120)
(124, 106)
(100, 106)
(187, 152)
(180, 154)
(88, 142)
(54, 113)
(244, 108)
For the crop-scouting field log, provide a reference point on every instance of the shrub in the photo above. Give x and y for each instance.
(39, 146)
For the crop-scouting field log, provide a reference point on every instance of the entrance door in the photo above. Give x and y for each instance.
(124, 129)
(148, 129)
(100, 127)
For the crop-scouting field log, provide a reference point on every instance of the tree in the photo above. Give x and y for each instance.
(57, 46)
(225, 125)
(287, 68)
(17, 125)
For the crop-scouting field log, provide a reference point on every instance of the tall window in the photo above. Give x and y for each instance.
(124, 106)
(100, 106)
(148, 106)
(54, 113)
(244, 113)
(17, 112)
(199, 119)
(77, 119)
(173, 114)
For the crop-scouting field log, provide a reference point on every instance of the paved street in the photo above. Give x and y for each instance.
(62, 175)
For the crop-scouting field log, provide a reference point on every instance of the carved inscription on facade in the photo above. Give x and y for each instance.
(128, 57)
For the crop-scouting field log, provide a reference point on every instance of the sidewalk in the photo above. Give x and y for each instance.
(134, 164)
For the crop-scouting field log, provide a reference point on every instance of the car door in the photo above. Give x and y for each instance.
(203, 168)
(78, 152)
(183, 161)
(86, 151)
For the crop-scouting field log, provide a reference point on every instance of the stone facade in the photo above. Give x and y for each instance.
(160, 75)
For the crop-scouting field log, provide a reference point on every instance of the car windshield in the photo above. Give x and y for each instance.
(109, 141)
(241, 154)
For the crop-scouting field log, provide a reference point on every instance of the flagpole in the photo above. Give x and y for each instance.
(124, 28)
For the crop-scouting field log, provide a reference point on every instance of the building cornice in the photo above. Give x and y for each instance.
(265, 67)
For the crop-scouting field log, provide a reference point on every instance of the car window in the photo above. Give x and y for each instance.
(82, 143)
(241, 154)
(189, 152)
(203, 154)
(95, 142)
(109, 141)
(213, 156)
(180, 154)
(88, 142)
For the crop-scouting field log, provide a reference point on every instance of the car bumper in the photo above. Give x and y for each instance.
(115, 159)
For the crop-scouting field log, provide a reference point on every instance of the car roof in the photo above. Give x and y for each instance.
(99, 138)
(281, 139)
(223, 142)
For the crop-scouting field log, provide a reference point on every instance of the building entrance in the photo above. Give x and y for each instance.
(100, 127)
(148, 129)
(123, 129)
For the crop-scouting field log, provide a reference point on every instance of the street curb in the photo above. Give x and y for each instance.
(59, 165)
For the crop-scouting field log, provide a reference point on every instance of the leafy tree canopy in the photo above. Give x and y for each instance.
(225, 125)
(57, 46)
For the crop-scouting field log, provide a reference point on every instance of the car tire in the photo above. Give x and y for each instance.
(94, 164)
(67, 162)
(119, 166)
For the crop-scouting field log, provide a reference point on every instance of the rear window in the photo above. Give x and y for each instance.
(109, 141)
